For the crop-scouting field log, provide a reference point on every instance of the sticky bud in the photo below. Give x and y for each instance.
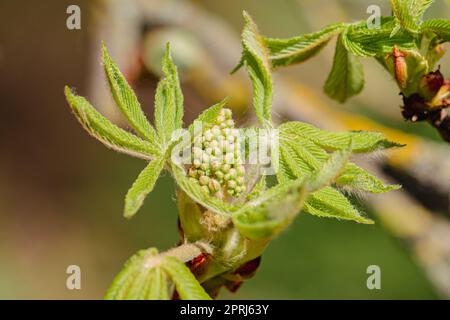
(400, 67)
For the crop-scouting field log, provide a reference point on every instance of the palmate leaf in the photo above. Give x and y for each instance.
(171, 73)
(141, 280)
(356, 178)
(143, 185)
(330, 203)
(302, 158)
(164, 111)
(256, 60)
(271, 212)
(149, 276)
(330, 170)
(106, 132)
(126, 100)
(440, 27)
(409, 13)
(168, 101)
(362, 41)
(209, 116)
(284, 52)
(307, 157)
(186, 284)
(361, 141)
(346, 78)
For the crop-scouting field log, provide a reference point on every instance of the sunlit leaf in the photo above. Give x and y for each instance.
(270, 213)
(142, 187)
(441, 27)
(125, 98)
(141, 278)
(256, 60)
(409, 13)
(346, 78)
(329, 202)
(186, 284)
(361, 141)
(106, 132)
(356, 178)
(284, 52)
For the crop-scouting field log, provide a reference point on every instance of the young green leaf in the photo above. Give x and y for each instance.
(346, 78)
(168, 101)
(164, 110)
(142, 187)
(106, 132)
(284, 52)
(284, 172)
(126, 99)
(370, 42)
(190, 216)
(362, 141)
(305, 157)
(301, 155)
(140, 279)
(319, 172)
(159, 285)
(271, 212)
(139, 288)
(210, 115)
(356, 178)
(186, 284)
(440, 27)
(409, 13)
(128, 270)
(329, 202)
(256, 60)
(171, 73)
(330, 170)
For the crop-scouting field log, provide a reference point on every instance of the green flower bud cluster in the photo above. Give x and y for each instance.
(216, 162)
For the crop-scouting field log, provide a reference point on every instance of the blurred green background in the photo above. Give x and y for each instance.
(61, 192)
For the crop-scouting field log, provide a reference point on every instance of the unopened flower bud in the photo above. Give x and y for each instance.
(216, 131)
(204, 180)
(214, 185)
(215, 165)
(197, 163)
(226, 113)
(192, 172)
(219, 175)
(232, 184)
(220, 120)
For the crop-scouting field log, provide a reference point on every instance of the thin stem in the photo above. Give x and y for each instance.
(188, 251)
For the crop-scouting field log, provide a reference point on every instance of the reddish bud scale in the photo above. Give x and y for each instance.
(233, 286)
(400, 67)
(248, 269)
(198, 264)
(431, 83)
